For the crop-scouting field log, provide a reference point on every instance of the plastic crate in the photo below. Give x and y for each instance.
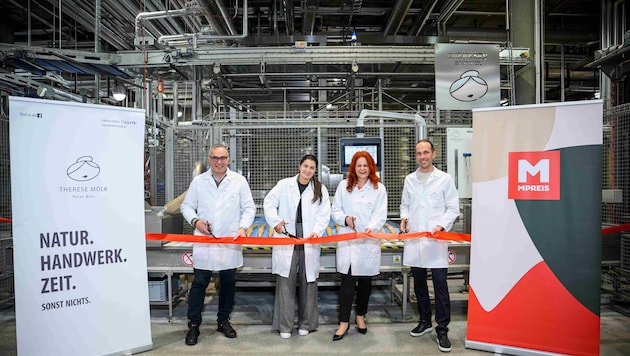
(158, 287)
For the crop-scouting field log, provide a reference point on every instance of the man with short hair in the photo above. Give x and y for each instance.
(429, 203)
(218, 203)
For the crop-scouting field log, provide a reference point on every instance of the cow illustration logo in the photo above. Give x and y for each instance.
(83, 169)
(469, 87)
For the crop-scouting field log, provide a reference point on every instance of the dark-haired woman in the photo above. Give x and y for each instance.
(297, 206)
(360, 205)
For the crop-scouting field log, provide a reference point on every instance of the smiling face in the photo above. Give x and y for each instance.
(362, 169)
(307, 170)
(218, 161)
(424, 156)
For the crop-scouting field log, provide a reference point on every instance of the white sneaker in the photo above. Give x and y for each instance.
(285, 335)
(303, 332)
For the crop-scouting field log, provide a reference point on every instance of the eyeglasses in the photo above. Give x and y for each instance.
(217, 159)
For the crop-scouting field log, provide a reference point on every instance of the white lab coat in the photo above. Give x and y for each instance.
(427, 205)
(281, 204)
(228, 207)
(369, 206)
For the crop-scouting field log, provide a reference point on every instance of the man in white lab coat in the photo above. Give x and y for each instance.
(218, 203)
(429, 203)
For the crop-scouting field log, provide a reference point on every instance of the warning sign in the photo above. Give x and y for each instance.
(451, 256)
(187, 258)
(396, 260)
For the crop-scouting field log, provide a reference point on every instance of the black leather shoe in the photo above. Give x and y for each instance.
(227, 329)
(192, 335)
(423, 327)
(339, 337)
(361, 330)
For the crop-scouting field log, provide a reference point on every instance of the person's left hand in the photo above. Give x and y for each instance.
(367, 230)
(239, 233)
(437, 228)
(313, 235)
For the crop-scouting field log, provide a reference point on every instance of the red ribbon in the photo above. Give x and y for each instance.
(618, 228)
(442, 235)
(271, 241)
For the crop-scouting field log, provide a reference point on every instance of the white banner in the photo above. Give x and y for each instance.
(78, 228)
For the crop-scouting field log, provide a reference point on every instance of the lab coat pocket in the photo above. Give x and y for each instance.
(436, 200)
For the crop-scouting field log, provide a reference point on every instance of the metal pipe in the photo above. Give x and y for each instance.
(97, 48)
(159, 15)
(170, 25)
(166, 40)
(397, 16)
(60, 24)
(28, 40)
(419, 120)
(226, 16)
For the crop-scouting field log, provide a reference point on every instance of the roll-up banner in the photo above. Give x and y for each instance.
(536, 229)
(78, 228)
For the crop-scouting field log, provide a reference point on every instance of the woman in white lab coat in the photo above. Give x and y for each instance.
(299, 207)
(360, 204)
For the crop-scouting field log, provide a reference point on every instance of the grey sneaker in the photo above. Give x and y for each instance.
(444, 344)
(424, 327)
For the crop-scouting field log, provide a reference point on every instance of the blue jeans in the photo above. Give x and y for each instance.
(197, 293)
(442, 298)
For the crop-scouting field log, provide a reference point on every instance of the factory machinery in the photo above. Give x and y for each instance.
(167, 260)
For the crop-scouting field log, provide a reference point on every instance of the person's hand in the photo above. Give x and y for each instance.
(437, 228)
(367, 230)
(278, 227)
(239, 233)
(403, 226)
(204, 227)
(350, 222)
(313, 235)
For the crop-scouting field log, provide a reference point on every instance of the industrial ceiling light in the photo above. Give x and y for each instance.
(119, 93)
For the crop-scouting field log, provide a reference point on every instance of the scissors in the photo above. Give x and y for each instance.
(285, 232)
(208, 226)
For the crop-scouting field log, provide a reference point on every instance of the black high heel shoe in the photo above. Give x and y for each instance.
(361, 330)
(339, 337)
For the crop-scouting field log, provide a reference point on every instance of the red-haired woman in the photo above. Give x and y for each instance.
(360, 205)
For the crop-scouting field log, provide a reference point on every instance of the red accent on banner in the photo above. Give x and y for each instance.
(534, 175)
(5, 220)
(270, 241)
(554, 320)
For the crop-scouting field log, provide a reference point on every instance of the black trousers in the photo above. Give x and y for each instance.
(363, 286)
(197, 293)
(442, 298)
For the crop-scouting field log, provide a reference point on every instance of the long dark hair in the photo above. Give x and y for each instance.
(317, 185)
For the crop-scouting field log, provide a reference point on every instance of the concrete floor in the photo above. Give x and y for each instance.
(388, 331)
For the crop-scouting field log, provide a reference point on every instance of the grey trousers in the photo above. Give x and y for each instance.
(284, 303)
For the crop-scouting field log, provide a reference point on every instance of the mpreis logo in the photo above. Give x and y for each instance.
(534, 175)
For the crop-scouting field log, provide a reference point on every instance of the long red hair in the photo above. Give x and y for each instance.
(353, 179)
